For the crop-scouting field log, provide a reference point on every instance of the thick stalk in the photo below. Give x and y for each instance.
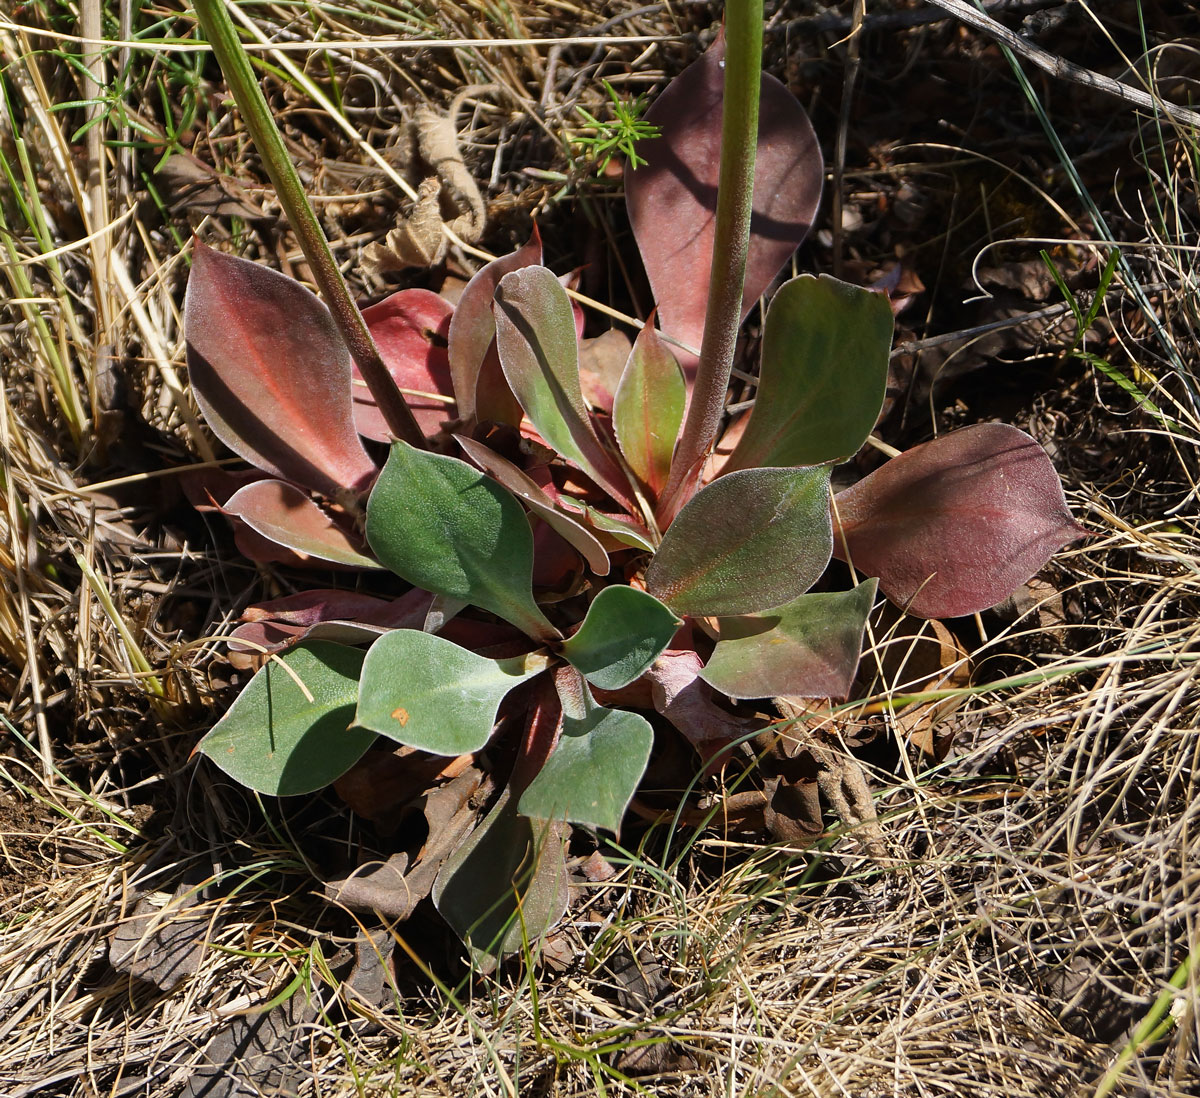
(735, 194)
(235, 65)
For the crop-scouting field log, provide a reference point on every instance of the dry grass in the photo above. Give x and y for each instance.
(1044, 886)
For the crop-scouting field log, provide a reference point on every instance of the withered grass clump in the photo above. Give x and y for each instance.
(1035, 907)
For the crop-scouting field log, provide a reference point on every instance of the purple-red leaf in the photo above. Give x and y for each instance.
(410, 329)
(672, 198)
(525, 488)
(281, 513)
(473, 333)
(271, 373)
(956, 525)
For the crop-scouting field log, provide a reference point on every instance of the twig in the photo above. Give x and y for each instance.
(1064, 70)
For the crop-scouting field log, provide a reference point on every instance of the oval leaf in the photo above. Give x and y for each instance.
(271, 373)
(282, 513)
(809, 648)
(624, 632)
(823, 374)
(648, 408)
(750, 541)
(473, 327)
(427, 692)
(506, 885)
(955, 525)
(535, 335)
(279, 740)
(410, 329)
(672, 198)
(449, 529)
(538, 501)
(594, 769)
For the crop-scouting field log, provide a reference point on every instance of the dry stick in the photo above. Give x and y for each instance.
(20, 553)
(98, 226)
(1064, 70)
(839, 152)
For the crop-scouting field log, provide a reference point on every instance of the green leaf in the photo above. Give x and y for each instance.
(752, 540)
(277, 740)
(539, 351)
(823, 374)
(624, 531)
(624, 632)
(593, 771)
(648, 408)
(427, 692)
(449, 529)
(809, 648)
(506, 884)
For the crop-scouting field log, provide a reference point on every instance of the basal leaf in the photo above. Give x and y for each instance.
(823, 374)
(955, 525)
(808, 648)
(538, 501)
(473, 328)
(535, 335)
(648, 408)
(410, 329)
(285, 515)
(271, 373)
(429, 693)
(752, 540)
(505, 885)
(672, 198)
(593, 771)
(624, 632)
(621, 530)
(278, 739)
(451, 530)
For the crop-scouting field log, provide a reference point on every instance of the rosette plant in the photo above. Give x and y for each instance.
(584, 550)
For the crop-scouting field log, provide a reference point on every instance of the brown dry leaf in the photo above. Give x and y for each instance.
(163, 941)
(913, 655)
(641, 983)
(392, 888)
(369, 978)
(193, 185)
(384, 784)
(419, 240)
(255, 1055)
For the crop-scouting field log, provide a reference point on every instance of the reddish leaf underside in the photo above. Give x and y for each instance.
(474, 367)
(955, 525)
(410, 328)
(271, 373)
(282, 513)
(537, 500)
(672, 198)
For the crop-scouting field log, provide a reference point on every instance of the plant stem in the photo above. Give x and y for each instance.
(731, 242)
(235, 65)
